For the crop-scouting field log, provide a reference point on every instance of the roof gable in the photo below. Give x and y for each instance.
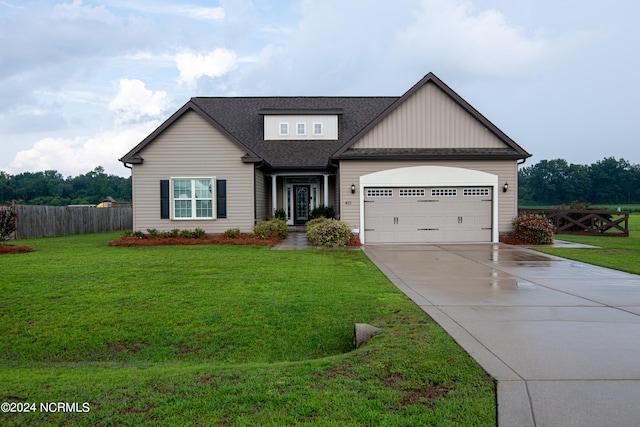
(430, 120)
(134, 156)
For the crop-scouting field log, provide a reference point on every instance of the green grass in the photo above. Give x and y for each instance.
(216, 335)
(620, 253)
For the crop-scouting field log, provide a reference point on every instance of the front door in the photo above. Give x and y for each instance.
(301, 208)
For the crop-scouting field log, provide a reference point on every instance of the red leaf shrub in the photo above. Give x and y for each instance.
(533, 229)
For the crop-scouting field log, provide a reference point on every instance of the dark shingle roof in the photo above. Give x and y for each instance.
(243, 118)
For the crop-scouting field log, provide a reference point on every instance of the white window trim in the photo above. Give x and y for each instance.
(304, 128)
(172, 199)
(286, 126)
(321, 128)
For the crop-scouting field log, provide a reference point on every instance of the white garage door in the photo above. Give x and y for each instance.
(427, 214)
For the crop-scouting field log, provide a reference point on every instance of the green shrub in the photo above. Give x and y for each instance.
(533, 229)
(264, 229)
(323, 211)
(198, 233)
(232, 233)
(139, 234)
(7, 223)
(313, 222)
(173, 233)
(280, 214)
(329, 232)
(153, 233)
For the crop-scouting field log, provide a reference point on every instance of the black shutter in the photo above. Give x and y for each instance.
(221, 198)
(164, 199)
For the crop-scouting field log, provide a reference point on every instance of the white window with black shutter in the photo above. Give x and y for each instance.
(193, 198)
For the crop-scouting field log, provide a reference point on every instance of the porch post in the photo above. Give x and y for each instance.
(326, 190)
(274, 195)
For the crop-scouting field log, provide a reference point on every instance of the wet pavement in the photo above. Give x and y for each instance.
(295, 240)
(562, 338)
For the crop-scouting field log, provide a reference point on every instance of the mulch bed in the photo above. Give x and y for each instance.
(208, 240)
(511, 240)
(12, 249)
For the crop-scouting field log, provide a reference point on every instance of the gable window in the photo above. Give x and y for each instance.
(317, 128)
(192, 198)
(284, 128)
(301, 128)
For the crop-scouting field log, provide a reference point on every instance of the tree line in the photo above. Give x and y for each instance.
(51, 188)
(554, 182)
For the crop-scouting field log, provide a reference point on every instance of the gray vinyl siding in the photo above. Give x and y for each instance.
(351, 170)
(190, 148)
(429, 119)
(262, 196)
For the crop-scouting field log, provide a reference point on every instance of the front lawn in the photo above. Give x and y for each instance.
(620, 253)
(221, 335)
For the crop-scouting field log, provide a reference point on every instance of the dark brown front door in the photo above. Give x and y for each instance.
(301, 208)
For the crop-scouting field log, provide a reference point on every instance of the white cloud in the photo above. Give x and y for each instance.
(377, 41)
(137, 111)
(135, 103)
(455, 35)
(213, 64)
(202, 13)
(73, 156)
(78, 11)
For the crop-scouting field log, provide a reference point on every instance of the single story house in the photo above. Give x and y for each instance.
(422, 167)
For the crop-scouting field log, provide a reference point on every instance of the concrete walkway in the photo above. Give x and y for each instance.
(562, 338)
(295, 240)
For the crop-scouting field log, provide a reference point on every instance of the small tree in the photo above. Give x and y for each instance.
(7, 223)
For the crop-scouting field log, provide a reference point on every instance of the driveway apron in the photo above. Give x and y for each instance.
(561, 338)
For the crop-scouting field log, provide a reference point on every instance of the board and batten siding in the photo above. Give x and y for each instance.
(506, 170)
(192, 148)
(429, 119)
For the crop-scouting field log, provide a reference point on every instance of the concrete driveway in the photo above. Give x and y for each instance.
(562, 338)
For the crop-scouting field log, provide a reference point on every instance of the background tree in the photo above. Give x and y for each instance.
(554, 182)
(51, 188)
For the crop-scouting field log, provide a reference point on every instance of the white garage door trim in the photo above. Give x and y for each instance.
(431, 176)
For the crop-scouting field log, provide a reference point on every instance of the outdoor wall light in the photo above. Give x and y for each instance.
(505, 187)
(353, 188)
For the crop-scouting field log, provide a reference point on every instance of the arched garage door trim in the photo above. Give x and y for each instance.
(431, 176)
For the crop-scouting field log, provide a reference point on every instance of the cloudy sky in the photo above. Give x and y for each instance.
(83, 81)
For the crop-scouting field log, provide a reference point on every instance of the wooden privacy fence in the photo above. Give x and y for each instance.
(585, 222)
(50, 221)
